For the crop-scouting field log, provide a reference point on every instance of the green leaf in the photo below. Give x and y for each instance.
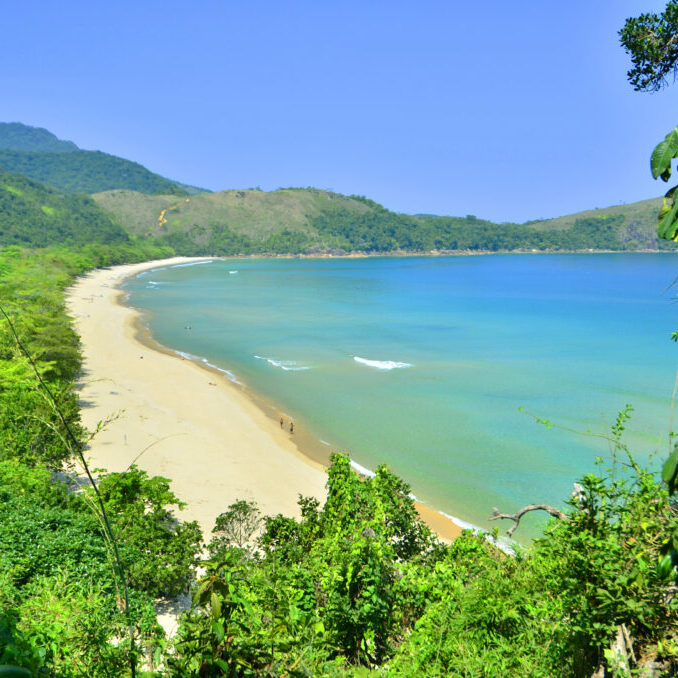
(664, 567)
(663, 154)
(670, 470)
(667, 226)
(218, 630)
(215, 603)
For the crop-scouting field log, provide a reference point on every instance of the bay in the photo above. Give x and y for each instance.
(423, 363)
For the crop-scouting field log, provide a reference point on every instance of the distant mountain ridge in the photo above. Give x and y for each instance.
(16, 136)
(159, 211)
(38, 154)
(307, 220)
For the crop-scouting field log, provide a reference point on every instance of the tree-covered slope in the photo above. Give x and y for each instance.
(86, 171)
(37, 216)
(295, 220)
(292, 220)
(216, 222)
(311, 220)
(40, 155)
(16, 136)
(637, 225)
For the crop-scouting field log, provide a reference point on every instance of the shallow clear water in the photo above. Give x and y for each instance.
(449, 349)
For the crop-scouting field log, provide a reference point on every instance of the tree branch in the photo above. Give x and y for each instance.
(515, 517)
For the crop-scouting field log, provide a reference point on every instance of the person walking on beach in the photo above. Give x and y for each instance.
(282, 422)
(291, 427)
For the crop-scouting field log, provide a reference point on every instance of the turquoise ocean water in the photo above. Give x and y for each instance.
(423, 363)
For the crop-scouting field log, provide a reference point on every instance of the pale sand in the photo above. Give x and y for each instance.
(180, 420)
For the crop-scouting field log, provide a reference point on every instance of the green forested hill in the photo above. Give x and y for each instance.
(86, 171)
(296, 220)
(19, 137)
(637, 222)
(40, 155)
(37, 216)
(232, 221)
(311, 220)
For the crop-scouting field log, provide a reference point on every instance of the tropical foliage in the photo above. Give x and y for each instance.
(651, 40)
(61, 601)
(361, 582)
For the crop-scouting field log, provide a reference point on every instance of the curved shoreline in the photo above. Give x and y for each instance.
(236, 449)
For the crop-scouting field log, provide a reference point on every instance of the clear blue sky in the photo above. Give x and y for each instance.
(507, 110)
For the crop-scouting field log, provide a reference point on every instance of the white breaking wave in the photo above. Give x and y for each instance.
(381, 364)
(502, 543)
(462, 523)
(227, 373)
(149, 270)
(192, 263)
(362, 470)
(287, 365)
(232, 272)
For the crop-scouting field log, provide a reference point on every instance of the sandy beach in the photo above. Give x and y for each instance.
(176, 418)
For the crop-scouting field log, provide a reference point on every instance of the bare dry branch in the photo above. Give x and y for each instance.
(515, 517)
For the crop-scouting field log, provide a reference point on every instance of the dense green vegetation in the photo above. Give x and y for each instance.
(286, 221)
(33, 215)
(380, 230)
(361, 582)
(313, 221)
(650, 41)
(38, 154)
(31, 293)
(59, 599)
(86, 172)
(18, 137)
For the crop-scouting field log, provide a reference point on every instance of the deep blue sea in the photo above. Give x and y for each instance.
(424, 362)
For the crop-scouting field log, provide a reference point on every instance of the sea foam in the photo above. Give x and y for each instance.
(362, 470)
(227, 373)
(502, 543)
(192, 263)
(381, 364)
(287, 365)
